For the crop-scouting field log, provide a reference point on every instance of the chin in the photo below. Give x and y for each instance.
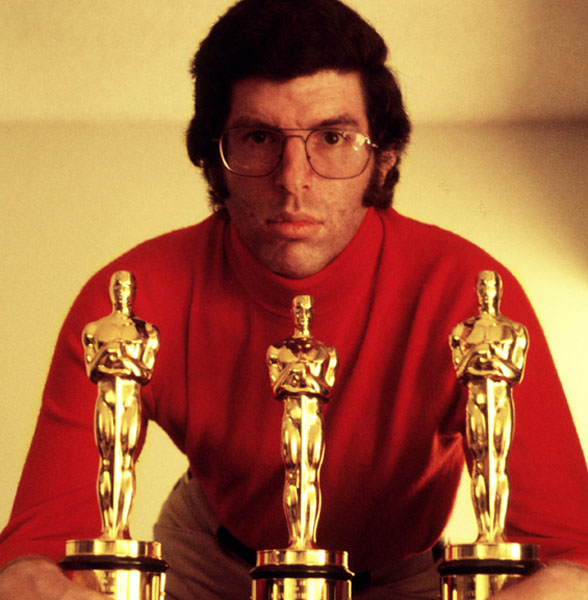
(298, 267)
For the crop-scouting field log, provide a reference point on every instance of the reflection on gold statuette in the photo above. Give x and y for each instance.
(489, 353)
(119, 352)
(302, 373)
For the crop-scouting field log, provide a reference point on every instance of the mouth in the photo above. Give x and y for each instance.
(293, 226)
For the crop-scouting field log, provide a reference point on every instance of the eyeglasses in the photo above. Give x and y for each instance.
(332, 153)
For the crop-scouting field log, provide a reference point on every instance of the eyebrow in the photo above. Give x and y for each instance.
(343, 120)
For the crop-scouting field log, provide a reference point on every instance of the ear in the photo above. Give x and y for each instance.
(216, 179)
(384, 162)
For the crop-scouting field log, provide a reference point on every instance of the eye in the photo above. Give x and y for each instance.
(332, 138)
(259, 136)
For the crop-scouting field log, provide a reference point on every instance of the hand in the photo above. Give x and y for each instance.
(38, 578)
(560, 581)
(114, 361)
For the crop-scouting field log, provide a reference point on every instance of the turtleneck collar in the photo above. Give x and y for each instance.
(351, 270)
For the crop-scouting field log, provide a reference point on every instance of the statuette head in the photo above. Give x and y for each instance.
(303, 311)
(122, 290)
(489, 289)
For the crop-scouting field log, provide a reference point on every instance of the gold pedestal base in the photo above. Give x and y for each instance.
(301, 575)
(120, 569)
(478, 571)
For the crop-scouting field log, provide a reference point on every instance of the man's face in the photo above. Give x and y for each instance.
(294, 221)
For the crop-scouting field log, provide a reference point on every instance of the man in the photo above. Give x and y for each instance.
(299, 128)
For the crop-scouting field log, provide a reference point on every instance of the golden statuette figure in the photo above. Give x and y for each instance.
(489, 357)
(119, 352)
(302, 374)
(489, 352)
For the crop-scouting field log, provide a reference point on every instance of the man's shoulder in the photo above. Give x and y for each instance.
(429, 243)
(442, 266)
(410, 229)
(179, 244)
(164, 266)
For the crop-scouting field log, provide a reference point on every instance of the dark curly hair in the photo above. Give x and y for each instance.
(281, 40)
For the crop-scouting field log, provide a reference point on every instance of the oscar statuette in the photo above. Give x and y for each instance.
(119, 352)
(489, 352)
(302, 374)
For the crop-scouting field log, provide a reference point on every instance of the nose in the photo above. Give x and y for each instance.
(294, 172)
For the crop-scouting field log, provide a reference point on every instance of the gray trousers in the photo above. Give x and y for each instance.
(206, 564)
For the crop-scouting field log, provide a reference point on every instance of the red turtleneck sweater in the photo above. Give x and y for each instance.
(393, 428)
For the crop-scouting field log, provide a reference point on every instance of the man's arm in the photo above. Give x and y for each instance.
(559, 581)
(38, 578)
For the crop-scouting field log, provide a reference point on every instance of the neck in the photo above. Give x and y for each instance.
(301, 332)
(345, 272)
(122, 309)
(489, 309)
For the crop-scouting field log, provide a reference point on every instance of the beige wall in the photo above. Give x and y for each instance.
(92, 113)
(458, 59)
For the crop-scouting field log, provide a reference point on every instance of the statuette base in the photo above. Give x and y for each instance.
(301, 575)
(478, 571)
(120, 569)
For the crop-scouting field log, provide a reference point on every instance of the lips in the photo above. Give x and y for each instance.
(293, 226)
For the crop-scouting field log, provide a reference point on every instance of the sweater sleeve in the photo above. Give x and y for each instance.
(548, 502)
